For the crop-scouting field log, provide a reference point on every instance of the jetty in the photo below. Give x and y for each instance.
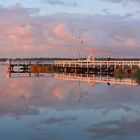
(79, 66)
(97, 65)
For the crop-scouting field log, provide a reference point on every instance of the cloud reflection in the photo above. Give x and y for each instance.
(116, 128)
(26, 95)
(53, 103)
(52, 121)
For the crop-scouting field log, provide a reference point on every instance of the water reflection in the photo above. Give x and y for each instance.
(68, 106)
(91, 78)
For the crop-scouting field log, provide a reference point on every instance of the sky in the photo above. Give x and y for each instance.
(65, 28)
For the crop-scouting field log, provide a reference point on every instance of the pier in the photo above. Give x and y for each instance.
(27, 66)
(78, 66)
(99, 66)
(81, 70)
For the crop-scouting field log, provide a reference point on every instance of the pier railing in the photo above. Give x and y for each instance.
(98, 63)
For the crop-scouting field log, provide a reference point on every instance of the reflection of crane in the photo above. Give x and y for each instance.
(79, 96)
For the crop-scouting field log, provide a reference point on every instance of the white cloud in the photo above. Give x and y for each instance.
(60, 2)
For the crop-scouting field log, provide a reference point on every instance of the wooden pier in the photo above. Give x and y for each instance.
(79, 66)
(96, 65)
(27, 66)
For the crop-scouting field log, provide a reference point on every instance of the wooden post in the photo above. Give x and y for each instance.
(81, 64)
(100, 67)
(131, 64)
(87, 67)
(139, 65)
(75, 67)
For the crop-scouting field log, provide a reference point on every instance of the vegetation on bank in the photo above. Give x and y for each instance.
(133, 73)
(125, 73)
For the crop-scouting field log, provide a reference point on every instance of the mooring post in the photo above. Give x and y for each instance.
(115, 64)
(8, 62)
(75, 67)
(87, 67)
(132, 65)
(29, 74)
(81, 64)
(100, 67)
(69, 64)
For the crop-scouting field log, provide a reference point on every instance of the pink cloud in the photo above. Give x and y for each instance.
(127, 42)
(62, 32)
(23, 35)
(131, 42)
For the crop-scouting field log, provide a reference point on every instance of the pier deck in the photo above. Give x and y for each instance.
(97, 65)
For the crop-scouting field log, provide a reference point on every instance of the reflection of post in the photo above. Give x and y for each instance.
(79, 94)
(36, 74)
(108, 82)
(8, 74)
(92, 82)
(30, 74)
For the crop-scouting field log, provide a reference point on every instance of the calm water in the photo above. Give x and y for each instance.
(50, 108)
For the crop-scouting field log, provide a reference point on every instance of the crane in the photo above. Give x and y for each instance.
(92, 54)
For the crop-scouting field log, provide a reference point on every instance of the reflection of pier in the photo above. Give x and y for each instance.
(25, 74)
(97, 65)
(92, 79)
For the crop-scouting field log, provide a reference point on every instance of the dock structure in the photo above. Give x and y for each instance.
(16, 67)
(24, 66)
(93, 79)
(97, 65)
(79, 66)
